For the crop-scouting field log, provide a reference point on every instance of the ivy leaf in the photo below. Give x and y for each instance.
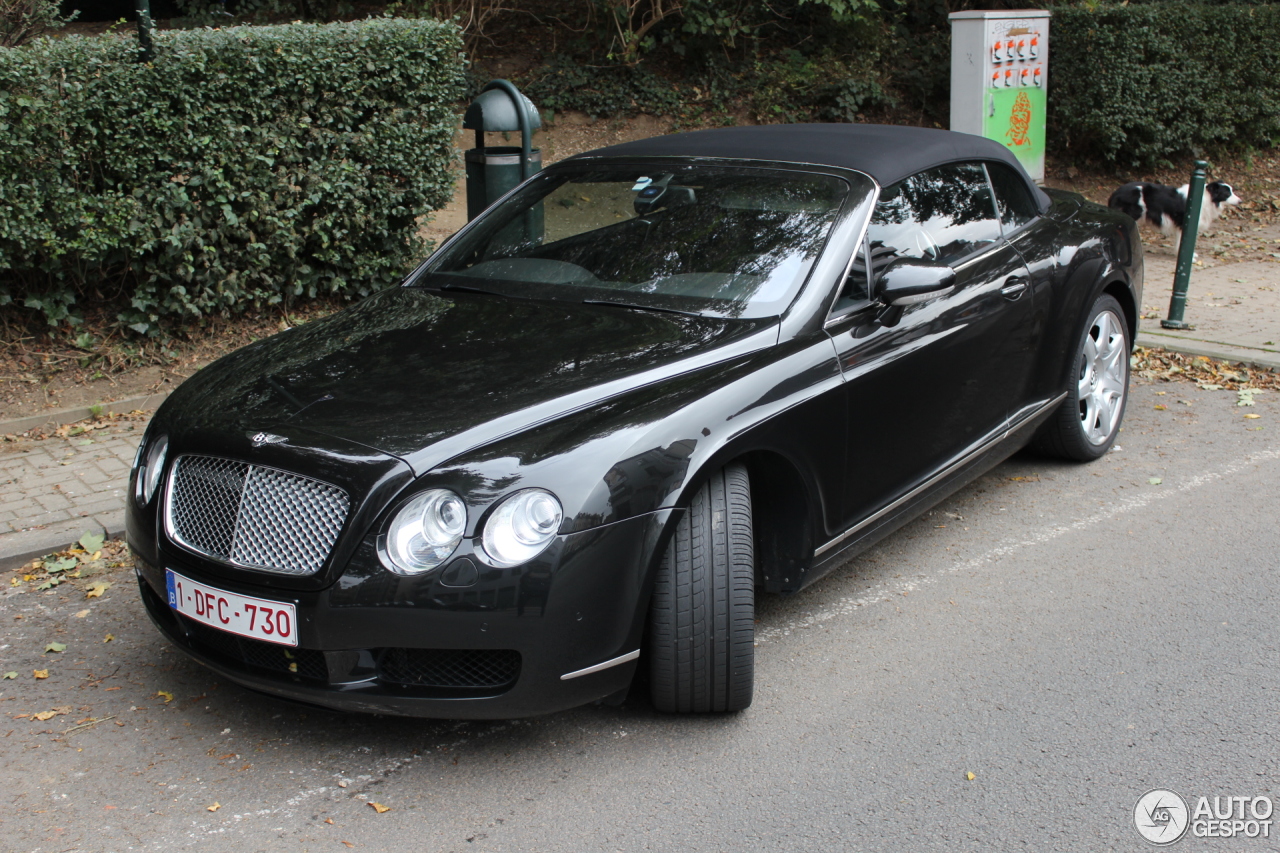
(9, 675)
(55, 647)
(91, 542)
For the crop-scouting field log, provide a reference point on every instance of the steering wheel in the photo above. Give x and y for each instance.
(926, 245)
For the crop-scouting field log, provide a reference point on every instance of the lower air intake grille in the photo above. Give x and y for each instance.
(306, 663)
(491, 668)
(253, 517)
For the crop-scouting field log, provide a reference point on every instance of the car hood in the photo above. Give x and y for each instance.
(425, 376)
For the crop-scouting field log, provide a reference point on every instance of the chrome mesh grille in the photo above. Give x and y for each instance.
(252, 516)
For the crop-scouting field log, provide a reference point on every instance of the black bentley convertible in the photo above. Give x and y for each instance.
(649, 382)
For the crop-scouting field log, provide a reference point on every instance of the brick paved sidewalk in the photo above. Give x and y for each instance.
(55, 489)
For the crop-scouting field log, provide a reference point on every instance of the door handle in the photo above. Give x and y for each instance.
(1013, 287)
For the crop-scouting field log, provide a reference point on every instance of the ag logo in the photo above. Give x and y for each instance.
(1161, 816)
(261, 438)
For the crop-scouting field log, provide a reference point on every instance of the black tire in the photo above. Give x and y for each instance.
(701, 646)
(1077, 429)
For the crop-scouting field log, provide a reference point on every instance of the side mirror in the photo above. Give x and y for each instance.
(908, 281)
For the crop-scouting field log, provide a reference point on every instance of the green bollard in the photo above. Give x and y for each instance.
(1186, 249)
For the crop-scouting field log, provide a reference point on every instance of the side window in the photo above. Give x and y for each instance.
(943, 214)
(1017, 205)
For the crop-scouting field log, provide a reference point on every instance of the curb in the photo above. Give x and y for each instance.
(59, 417)
(1211, 349)
(22, 547)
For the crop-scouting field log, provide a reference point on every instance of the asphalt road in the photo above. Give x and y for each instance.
(1073, 636)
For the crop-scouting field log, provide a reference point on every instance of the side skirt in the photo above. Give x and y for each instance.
(951, 478)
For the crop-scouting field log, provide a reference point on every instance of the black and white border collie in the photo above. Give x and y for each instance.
(1166, 208)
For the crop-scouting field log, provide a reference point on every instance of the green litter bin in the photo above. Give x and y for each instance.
(493, 171)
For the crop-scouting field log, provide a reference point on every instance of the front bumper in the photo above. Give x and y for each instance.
(377, 643)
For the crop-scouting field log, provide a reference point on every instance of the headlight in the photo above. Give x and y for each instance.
(426, 531)
(152, 466)
(521, 527)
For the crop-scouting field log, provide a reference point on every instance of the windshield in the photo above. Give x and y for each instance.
(710, 240)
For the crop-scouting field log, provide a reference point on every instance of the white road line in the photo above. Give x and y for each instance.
(360, 792)
(892, 590)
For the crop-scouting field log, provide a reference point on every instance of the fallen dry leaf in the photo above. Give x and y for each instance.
(348, 843)
(82, 614)
(329, 821)
(50, 714)
(1251, 417)
(168, 697)
(379, 807)
(96, 590)
(970, 776)
(57, 648)
(42, 673)
(213, 808)
(108, 638)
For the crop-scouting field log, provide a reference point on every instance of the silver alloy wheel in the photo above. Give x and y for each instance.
(1103, 370)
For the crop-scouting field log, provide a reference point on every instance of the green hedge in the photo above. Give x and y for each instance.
(242, 166)
(1138, 85)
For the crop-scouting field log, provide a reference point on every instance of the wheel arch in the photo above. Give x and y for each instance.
(1120, 291)
(784, 504)
(782, 517)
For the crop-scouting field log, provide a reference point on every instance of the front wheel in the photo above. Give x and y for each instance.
(1087, 423)
(702, 619)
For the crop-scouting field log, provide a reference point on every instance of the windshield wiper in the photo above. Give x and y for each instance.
(633, 306)
(466, 288)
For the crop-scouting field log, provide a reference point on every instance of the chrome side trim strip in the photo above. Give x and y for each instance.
(614, 662)
(959, 463)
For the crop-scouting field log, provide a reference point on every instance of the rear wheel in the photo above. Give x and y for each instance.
(1087, 423)
(702, 618)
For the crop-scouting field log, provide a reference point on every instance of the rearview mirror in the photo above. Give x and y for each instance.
(908, 281)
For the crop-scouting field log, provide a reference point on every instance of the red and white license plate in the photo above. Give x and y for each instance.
(270, 621)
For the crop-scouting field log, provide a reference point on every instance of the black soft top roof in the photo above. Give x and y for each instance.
(885, 152)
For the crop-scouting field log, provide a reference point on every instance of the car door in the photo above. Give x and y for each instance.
(930, 388)
(1037, 240)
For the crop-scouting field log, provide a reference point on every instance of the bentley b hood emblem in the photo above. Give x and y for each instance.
(261, 438)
